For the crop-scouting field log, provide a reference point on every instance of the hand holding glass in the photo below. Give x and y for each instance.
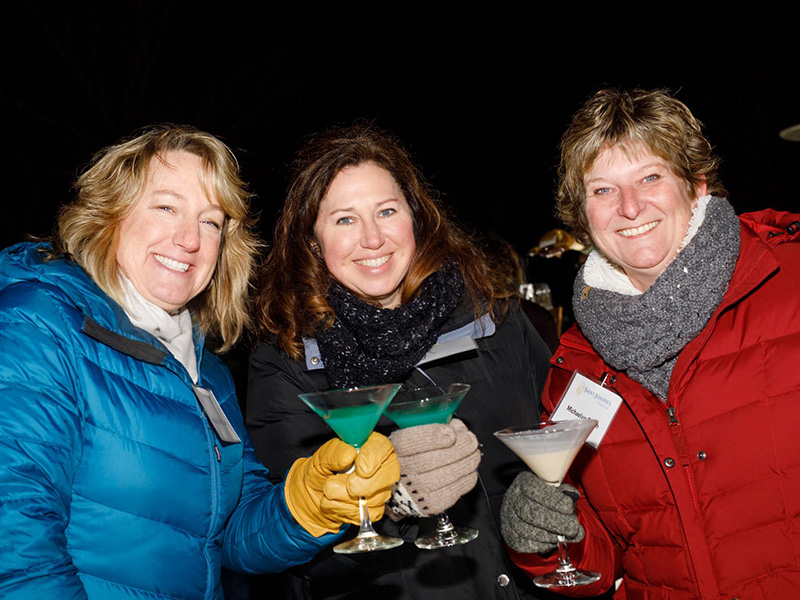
(549, 451)
(426, 406)
(352, 414)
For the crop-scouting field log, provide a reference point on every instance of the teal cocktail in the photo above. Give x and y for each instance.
(411, 414)
(354, 424)
(353, 414)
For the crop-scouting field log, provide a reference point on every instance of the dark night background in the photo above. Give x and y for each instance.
(479, 96)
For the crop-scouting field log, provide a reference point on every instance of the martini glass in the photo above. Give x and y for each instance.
(352, 414)
(549, 452)
(423, 407)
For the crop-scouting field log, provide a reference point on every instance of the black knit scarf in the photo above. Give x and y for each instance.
(644, 334)
(368, 345)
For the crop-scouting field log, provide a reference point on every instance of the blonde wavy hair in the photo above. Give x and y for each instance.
(88, 227)
(613, 117)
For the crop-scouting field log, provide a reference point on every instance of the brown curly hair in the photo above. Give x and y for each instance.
(293, 280)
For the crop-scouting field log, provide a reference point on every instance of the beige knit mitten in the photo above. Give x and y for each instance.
(438, 465)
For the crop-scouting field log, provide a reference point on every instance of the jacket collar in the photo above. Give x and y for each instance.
(450, 343)
(135, 348)
(756, 263)
(104, 319)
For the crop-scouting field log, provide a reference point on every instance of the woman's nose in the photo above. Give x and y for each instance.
(187, 236)
(630, 204)
(371, 235)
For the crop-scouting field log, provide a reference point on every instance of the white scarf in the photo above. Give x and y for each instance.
(174, 331)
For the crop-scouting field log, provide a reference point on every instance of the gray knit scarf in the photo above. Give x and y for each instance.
(368, 345)
(644, 334)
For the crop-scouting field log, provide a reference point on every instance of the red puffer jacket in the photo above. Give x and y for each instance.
(700, 497)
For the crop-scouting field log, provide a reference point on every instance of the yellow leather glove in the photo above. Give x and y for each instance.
(376, 471)
(321, 498)
(305, 484)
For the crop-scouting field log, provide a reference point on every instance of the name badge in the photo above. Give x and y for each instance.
(216, 416)
(587, 399)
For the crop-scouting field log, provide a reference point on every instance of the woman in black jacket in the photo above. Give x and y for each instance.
(368, 282)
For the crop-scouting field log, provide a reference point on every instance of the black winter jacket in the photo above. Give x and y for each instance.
(506, 372)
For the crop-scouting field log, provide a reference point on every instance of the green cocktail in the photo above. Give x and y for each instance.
(426, 406)
(353, 424)
(352, 414)
(411, 414)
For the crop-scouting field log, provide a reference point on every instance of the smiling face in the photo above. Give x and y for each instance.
(365, 233)
(168, 244)
(638, 210)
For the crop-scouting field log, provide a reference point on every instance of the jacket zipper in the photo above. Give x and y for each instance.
(683, 454)
(214, 496)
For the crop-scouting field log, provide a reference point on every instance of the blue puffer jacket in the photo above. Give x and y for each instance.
(112, 483)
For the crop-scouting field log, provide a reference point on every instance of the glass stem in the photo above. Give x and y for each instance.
(365, 529)
(564, 564)
(443, 523)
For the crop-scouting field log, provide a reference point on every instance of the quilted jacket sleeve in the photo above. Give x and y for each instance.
(262, 535)
(40, 425)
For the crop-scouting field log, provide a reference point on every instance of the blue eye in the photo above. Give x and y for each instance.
(344, 221)
(387, 212)
(653, 177)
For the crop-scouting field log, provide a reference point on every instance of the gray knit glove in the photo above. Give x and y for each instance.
(534, 513)
(438, 465)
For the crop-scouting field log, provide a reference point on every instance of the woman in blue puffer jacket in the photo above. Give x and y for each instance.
(125, 470)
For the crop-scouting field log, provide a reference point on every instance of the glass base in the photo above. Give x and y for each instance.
(370, 543)
(566, 578)
(446, 539)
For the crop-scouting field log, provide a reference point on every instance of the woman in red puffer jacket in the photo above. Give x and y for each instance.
(694, 315)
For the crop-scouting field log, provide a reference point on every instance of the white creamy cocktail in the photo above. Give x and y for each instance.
(549, 450)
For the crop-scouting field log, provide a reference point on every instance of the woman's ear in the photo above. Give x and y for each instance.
(701, 189)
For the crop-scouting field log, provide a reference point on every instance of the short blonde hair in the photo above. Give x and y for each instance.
(88, 227)
(621, 117)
